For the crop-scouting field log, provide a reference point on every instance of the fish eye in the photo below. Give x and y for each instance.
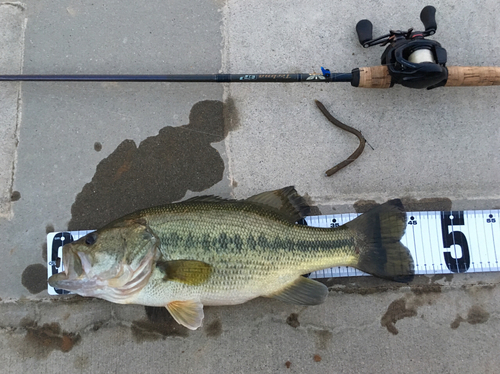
(91, 238)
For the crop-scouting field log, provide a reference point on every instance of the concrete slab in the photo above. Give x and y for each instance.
(12, 26)
(427, 144)
(449, 325)
(68, 129)
(81, 143)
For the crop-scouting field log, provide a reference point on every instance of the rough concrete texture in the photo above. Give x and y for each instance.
(439, 325)
(438, 143)
(79, 143)
(12, 26)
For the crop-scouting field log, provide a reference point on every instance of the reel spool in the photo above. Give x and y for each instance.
(420, 56)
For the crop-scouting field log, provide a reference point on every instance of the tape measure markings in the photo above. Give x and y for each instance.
(462, 237)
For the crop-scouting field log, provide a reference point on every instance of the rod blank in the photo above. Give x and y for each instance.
(367, 77)
(219, 78)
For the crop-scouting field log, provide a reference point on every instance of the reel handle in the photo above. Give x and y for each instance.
(364, 28)
(428, 18)
(458, 76)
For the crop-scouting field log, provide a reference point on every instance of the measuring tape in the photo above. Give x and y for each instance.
(440, 243)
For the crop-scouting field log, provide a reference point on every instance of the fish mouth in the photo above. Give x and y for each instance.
(117, 284)
(73, 278)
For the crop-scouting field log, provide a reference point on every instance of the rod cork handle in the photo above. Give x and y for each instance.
(472, 76)
(371, 77)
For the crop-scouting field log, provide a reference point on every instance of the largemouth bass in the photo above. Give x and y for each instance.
(211, 251)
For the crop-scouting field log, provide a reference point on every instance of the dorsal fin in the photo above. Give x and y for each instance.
(286, 201)
(206, 199)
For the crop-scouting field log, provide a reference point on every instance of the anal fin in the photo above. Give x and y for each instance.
(188, 313)
(303, 291)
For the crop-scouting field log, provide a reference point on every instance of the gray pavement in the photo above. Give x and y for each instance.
(79, 154)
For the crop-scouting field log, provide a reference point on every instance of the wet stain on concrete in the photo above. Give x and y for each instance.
(371, 285)
(158, 325)
(323, 338)
(447, 278)
(34, 278)
(477, 314)
(363, 206)
(454, 325)
(487, 286)
(314, 210)
(430, 204)
(293, 320)
(426, 289)
(160, 170)
(41, 340)
(479, 288)
(410, 204)
(396, 311)
(406, 307)
(214, 329)
(97, 147)
(361, 286)
(15, 196)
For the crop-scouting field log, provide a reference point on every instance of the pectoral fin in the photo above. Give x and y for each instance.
(190, 272)
(187, 313)
(302, 291)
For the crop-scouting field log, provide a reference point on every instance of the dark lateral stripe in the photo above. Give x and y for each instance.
(224, 242)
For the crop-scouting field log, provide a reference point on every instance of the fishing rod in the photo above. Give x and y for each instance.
(409, 60)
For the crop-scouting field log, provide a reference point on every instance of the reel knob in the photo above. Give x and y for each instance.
(364, 28)
(428, 18)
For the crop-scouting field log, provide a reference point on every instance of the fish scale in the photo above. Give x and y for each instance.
(269, 251)
(280, 241)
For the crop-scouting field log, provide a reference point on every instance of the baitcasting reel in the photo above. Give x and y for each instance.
(412, 60)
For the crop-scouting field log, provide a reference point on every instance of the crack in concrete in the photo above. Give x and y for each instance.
(15, 62)
(16, 4)
(226, 95)
(17, 128)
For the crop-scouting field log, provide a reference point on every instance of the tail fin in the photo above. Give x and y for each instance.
(378, 233)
